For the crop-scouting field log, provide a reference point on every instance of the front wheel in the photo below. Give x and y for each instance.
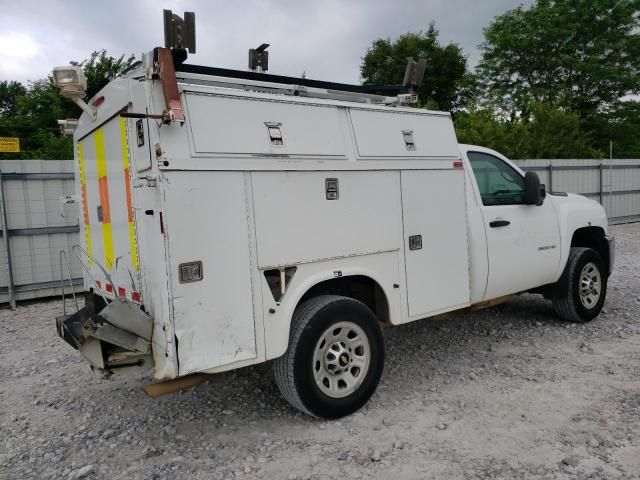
(584, 283)
(335, 357)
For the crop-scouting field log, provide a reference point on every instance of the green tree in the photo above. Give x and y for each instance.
(34, 120)
(554, 133)
(581, 55)
(32, 113)
(9, 94)
(619, 124)
(547, 133)
(446, 82)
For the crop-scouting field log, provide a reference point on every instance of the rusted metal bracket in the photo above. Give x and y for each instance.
(163, 67)
(156, 390)
(489, 303)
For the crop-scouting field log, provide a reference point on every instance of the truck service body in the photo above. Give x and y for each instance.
(232, 226)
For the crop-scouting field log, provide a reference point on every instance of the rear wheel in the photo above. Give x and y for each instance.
(585, 286)
(335, 357)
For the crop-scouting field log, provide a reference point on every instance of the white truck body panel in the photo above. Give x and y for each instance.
(213, 318)
(438, 275)
(241, 130)
(366, 219)
(217, 190)
(376, 134)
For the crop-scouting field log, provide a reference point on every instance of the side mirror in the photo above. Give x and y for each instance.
(534, 192)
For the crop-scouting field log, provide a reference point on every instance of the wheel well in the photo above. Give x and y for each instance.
(592, 237)
(589, 237)
(358, 287)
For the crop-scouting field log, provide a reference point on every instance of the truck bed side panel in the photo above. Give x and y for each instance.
(295, 223)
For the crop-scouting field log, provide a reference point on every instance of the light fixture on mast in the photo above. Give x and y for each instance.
(73, 85)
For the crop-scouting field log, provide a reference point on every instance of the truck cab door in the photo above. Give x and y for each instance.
(523, 241)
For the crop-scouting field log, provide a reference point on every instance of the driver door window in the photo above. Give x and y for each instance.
(498, 182)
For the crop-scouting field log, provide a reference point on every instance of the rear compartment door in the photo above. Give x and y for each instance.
(435, 231)
(108, 231)
(206, 220)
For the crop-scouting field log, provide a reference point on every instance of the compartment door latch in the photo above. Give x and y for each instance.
(415, 242)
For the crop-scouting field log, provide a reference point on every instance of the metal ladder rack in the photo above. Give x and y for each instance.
(292, 86)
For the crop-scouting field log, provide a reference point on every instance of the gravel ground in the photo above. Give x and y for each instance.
(503, 393)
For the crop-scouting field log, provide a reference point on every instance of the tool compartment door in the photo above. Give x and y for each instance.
(305, 130)
(206, 220)
(435, 231)
(402, 135)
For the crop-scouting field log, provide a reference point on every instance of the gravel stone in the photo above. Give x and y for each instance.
(523, 394)
(571, 461)
(388, 422)
(83, 472)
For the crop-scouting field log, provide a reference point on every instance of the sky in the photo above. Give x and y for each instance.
(326, 39)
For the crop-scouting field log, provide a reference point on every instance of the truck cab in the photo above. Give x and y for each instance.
(527, 243)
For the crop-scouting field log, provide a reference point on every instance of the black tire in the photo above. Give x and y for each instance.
(294, 370)
(569, 306)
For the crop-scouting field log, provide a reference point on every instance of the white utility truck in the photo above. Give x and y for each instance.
(230, 218)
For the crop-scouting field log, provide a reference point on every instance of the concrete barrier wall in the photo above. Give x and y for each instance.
(30, 215)
(615, 184)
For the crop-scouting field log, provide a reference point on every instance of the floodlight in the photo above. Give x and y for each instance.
(70, 79)
(259, 58)
(73, 85)
(414, 72)
(180, 33)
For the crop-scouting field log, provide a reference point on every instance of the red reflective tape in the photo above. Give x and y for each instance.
(85, 210)
(458, 164)
(135, 296)
(122, 292)
(109, 288)
(98, 284)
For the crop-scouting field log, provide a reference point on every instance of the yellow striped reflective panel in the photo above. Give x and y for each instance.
(127, 186)
(103, 187)
(85, 207)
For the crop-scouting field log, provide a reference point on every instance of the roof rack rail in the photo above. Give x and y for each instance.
(389, 90)
(180, 38)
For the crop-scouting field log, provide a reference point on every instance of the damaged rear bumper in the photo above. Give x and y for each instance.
(112, 336)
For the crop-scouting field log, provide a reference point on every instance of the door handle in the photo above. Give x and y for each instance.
(499, 223)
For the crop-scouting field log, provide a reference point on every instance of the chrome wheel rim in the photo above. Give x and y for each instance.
(341, 359)
(590, 285)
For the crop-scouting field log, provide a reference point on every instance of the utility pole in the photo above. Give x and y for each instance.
(610, 181)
